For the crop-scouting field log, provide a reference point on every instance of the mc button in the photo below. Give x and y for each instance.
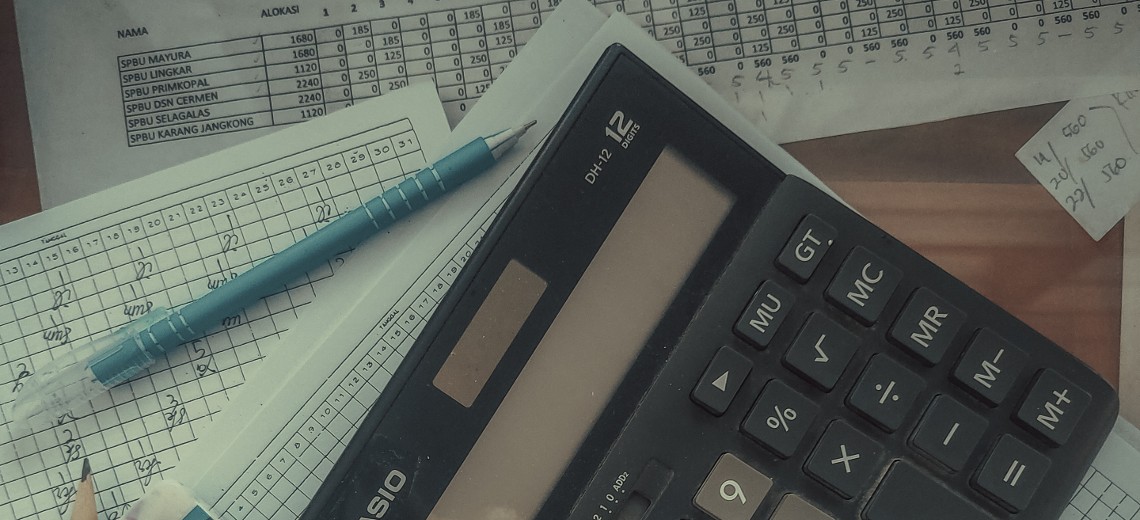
(863, 285)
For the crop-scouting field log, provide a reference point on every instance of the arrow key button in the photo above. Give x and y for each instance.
(721, 380)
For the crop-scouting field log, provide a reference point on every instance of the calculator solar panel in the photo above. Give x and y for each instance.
(800, 363)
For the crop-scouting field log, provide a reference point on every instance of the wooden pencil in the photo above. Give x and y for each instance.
(85, 496)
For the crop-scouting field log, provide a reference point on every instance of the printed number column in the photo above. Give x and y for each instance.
(501, 44)
(1032, 8)
(697, 30)
(920, 15)
(948, 13)
(892, 18)
(977, 12)
(448, 61)
(1003, 10)
(294, 76)
(363, 74)
(836, 21)
(782, 26)
(667, 26)
(809, 23)
(725, 30)
(333, 60)
(864, 19)
(391, 69)
(416, 53)
(473, 52)
(753, 19)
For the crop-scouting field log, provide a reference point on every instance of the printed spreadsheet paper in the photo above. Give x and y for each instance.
(120, 88)
(77, 272)
(284, 435)
(1110, 489)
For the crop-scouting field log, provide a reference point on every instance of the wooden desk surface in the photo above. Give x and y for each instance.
(951, 190)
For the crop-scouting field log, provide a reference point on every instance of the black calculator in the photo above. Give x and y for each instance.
(661, 324)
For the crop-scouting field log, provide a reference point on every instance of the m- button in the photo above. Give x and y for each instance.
(803, 252)
(927, 325)
(990, 366)
(1053, 407)
(863, 285)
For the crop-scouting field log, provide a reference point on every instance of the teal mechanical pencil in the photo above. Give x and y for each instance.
(92, 369)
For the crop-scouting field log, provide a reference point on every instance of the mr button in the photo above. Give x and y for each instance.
(863, 285)
(805, 249)
(1053, 407)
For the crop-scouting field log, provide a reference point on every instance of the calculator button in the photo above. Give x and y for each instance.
(733, 490)
(1053, 407)
(885, 392)
(927, 325)
(949, 432)
(793, 507)
(845, 459)
(822, 350)
(780, 418)
(863, 285)
(1012, 472)
(990, 366)
(907, 493)
(721, 380)
(806, 248)
(764, 314)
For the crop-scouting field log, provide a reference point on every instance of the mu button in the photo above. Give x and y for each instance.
(721, 380)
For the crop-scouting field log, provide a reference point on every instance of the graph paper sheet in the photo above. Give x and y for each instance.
(118, 88)
(78, 272)
(1111, 488)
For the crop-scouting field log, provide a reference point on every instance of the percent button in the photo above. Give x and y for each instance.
(780, 418)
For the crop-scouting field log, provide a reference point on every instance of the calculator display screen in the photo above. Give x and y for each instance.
(590, 345)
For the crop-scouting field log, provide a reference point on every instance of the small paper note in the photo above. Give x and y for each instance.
(1088, 157)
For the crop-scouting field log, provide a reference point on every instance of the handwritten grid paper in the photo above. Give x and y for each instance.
(89, 275)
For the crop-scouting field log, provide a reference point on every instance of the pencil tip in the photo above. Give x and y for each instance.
(86, 469)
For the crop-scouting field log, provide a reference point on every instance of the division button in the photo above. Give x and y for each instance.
(822, 351)
(806, 247)
(907, 493)
(990, 366)
(721, 380)
(733, 490)
(927, 325)
(863, 285)
(764, 314)
(1053, 407)
(793, 507)
(780, 418)
(845, 459)
(885, 392)
(1012, 472)
(949, 432)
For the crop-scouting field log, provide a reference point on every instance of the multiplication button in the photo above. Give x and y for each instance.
(780, 418)
(845, 459)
